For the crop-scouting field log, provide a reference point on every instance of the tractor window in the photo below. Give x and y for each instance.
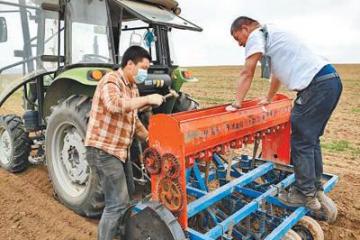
(138, 33)
(173, 57)
(157, 15)
(31, 34)
(87, 38)
(51, 37)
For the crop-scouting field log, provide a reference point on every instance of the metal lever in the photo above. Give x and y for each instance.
(256, 147)
(141, 180)
(228, 170)
(172, 93)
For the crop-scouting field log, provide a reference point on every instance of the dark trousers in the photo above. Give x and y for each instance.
(113, 182)
(312, 110)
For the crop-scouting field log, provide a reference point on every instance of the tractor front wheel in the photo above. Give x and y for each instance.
(76, 183)
(14, 144)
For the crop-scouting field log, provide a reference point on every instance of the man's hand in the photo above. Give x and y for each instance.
(155, 99)
(264, 101)
(233, 107)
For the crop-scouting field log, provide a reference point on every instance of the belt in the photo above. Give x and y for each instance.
(326, 77)
(320, 78)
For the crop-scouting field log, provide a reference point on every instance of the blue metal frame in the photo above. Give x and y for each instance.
(206, 201)
(241, 184)
(255, 196)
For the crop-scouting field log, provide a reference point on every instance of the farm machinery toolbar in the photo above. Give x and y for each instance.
(200, 191)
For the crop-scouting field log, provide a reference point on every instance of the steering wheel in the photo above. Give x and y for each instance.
(95, 58)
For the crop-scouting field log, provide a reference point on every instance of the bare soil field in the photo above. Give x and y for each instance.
(29, 211)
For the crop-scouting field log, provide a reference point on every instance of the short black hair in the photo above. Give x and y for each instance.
(240, 21)
(135, 54)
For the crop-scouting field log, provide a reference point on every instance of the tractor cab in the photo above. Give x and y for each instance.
(117, 25)
(60, 35)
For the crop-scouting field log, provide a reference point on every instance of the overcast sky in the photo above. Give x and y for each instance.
(329, 27)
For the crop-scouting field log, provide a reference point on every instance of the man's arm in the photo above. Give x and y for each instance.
(246, 77)
(274, 88)
(115, 102)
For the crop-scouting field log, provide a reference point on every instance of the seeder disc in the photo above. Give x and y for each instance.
(155, 222)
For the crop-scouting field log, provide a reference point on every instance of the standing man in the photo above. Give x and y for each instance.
(112, 126)
(318, 88)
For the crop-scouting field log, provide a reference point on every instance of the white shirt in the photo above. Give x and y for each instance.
(294, 64)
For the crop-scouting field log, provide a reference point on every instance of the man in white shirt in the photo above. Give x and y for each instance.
(319, 88)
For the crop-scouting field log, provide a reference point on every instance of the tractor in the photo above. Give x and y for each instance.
(65, 47)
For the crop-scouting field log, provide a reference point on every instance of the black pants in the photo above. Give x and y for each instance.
(113, 182)
(312, 110)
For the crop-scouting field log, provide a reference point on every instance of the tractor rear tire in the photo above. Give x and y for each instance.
(76, 184)
(15, 144)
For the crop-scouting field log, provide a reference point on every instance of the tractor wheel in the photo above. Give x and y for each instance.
(291, 235)
(185, 103)
(328, 207)
(15, 144)
(75, 183)
(309, 229)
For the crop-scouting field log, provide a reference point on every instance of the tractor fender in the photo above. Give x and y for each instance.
(75, 81)
(63, 88)
(16, 85)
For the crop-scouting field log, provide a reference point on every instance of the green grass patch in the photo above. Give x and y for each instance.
(341, 146)
(337, 146)
(355, 110)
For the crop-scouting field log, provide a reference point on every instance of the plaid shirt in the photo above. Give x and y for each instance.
(110, 127)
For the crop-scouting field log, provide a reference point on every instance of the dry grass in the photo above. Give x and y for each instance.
(14, 104)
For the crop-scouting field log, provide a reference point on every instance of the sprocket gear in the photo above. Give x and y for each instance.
(171, 194)
(170, 166)
(152, 161)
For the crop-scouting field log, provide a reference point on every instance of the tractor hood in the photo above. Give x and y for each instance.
(156, 14)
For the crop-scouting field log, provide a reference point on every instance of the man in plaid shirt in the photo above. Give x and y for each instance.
(112, 126)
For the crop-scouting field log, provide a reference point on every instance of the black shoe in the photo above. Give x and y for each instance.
(294, 198)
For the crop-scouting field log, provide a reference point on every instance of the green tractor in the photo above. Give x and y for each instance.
(61, 49)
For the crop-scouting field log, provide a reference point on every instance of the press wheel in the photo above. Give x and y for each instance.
(309, 229)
